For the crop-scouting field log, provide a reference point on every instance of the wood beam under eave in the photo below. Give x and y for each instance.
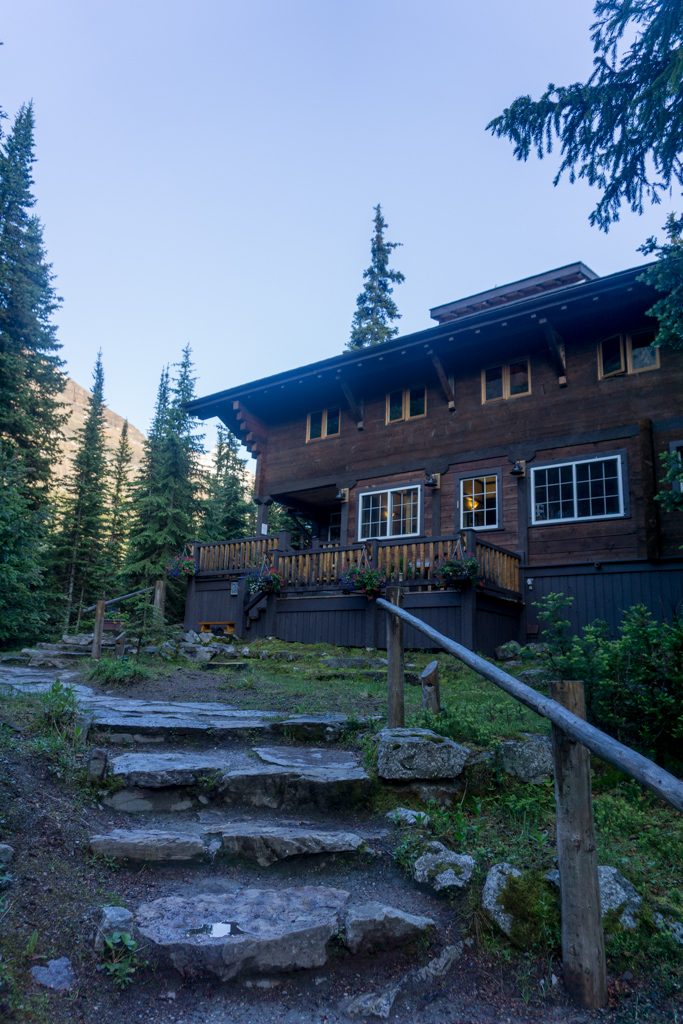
(446, 385)
(253, 432)
(354, 406)
(556, 350)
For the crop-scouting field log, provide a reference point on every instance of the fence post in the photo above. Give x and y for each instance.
(431, 694)
(159, 598)
(100, 612)
(583, 944)
(395, 670)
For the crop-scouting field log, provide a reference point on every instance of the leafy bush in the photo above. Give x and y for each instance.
(111, 671)
(633, 684)
(121, 958)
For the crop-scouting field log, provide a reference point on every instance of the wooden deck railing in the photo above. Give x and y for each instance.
(396, 560)
(234, 555)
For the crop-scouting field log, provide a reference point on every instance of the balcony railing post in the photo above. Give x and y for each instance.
(583, 944)
(395, 670)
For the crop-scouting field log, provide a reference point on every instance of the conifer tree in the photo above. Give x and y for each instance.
(226, 510)
(119, 511)
(622, 130)
(375, 307)
(81, 561)
(30, 383)
(166, 495)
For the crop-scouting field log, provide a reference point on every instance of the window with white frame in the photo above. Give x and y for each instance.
(572, 491)
(391, 513)
(479, 503)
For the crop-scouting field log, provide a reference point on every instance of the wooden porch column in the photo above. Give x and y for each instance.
(583, 943)
(395, 670)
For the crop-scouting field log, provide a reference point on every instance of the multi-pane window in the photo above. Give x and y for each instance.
(479, 503)
(406, 404)
(590, 489)
(324, 423)
(510, 380)
(627, 353)
(393, 513)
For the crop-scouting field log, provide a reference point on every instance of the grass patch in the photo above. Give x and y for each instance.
(120, 671)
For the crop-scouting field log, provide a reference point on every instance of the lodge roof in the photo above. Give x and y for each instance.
(489, 331)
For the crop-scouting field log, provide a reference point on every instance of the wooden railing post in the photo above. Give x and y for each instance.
(583, 944)
(100, 611)
(395, 670)
(431, 694)
(160, 598)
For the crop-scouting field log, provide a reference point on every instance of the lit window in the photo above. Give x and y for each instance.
(479, 503)
(509, 380)
(393, 513)
(325, 423)
(406, 404)
(627, 353)
(591, 489)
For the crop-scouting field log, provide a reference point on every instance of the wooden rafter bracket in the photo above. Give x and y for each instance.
(252, 431)
(355, 407)
(556, 349)
(445, 383)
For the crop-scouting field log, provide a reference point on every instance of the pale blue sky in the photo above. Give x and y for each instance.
(207, 170)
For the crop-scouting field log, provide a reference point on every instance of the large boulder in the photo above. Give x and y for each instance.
(617, 895)
(443, 870)
(529, 759)
(405, 754)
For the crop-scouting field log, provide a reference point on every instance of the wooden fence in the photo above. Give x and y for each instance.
(234, 555)
(583, 949)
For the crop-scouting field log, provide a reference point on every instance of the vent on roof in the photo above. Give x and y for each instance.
(551, 280)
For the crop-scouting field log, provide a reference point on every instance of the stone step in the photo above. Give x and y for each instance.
(264, 842)
(274, 777)
(128, 720)
(262, 931)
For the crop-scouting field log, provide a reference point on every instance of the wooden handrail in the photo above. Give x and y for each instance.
(629, 761)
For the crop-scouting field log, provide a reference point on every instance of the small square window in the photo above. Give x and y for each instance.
(323, 423)
(507, 381)
(625, 354)
(395, 406)
(407, 404)
(612, 356)
(479, 503)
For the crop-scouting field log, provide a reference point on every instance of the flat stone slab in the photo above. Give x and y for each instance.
(406, 754)
(262, 931)
(261, 842)
(276, 777)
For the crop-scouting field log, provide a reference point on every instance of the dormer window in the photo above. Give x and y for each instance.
(406, 404)
(509, 380)
(627, 353)
(322, 424)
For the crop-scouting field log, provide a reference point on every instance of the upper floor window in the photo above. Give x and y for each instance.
(627, 353)
(325, 423)
(391, 513)
(479, 503)
(570, 491)
(506, 381)
(406, 404)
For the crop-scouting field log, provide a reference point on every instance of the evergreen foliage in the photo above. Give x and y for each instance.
(119, 510)
(226, 512)
(81, 562)
(375, 308)
(166, 506)
(622, 130)
(30, 383)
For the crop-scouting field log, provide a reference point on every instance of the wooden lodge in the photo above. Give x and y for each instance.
(523, 430)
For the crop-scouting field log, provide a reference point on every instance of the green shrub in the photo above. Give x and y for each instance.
(535, 911)
(633, 684)
(113, 671)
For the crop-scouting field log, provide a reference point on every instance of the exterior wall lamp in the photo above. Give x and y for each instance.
(519, 468)
(342, 494)
(433, 480)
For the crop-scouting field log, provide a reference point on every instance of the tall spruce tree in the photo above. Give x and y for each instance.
(621, 131)
(375, 308)
(225, 508)
(166, 496)
(30, 384)
(81, 559)
(119, 505)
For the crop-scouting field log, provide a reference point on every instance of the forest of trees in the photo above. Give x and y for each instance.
(104, 531)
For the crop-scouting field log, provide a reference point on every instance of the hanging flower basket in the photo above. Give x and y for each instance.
(180, 565)
(265, 581)
(458, 573)
(370, 582)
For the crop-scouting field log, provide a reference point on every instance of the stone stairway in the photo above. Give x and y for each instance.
(289, 866)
